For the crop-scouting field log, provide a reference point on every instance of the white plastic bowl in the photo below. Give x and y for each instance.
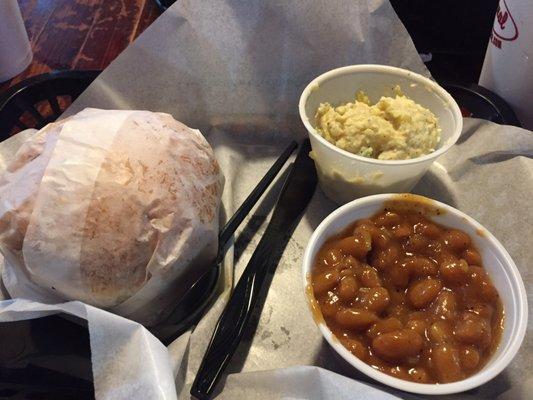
(496, 261)
(344, 176)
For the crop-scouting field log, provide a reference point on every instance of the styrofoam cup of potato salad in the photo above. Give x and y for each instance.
(376, 128)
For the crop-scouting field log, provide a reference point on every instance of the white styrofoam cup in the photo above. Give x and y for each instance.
(344, 176)
(496, 261)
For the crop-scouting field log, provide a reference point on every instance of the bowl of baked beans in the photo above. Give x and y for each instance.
(415, 294)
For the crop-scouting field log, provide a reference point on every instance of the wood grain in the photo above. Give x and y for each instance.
(80, 34)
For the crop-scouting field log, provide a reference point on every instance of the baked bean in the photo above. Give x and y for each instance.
(418, 375)
(332, 257)
(399, 372)
(369, 277)
(401, 231)
(445, 305)
(374, 299)
(325, 281)
(425, 355)
(398, 344)
(454, 272)
(348, 288)
(329, 305)
(415, 314)
(472, 256)
(347, 272)
(351, 262)
(457, 240)
(428, 229)
(421, 266)
(365, 223)
(418, 325)
(384, 326)
(446, 363)
(381, 237)
(423, 292)
(469, 357)
(399, 275)
(364, 232)
(388, 219)
(397, 307)
(412, 361)
(396, 296)
(383, 259)
(480, 280)
(434, 248)
(472, 329)
(356, 347)
(366, 238)
(445, 257)
(440, 332)
(483, 310)
(398, 311)
(409, 297)
(354, 246)
(416, 243)
(355, 319)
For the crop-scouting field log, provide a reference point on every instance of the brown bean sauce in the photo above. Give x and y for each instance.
(409, 297)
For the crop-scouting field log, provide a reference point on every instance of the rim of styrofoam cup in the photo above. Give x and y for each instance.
(479, 378)
(388, 70)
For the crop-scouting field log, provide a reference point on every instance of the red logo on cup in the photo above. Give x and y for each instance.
(504, 26)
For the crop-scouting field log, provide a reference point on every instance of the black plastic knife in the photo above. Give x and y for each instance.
(294, 197)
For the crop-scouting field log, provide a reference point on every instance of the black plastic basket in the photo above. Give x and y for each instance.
(478, 102)
(164, 4)
(37, 101)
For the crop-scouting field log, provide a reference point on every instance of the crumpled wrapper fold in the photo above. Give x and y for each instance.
(113, 208)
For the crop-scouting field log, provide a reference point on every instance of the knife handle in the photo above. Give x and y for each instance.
(233, 321)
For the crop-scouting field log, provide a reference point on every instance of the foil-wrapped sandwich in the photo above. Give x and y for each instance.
(112, 208)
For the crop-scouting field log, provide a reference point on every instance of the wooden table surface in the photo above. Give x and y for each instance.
(80, 34)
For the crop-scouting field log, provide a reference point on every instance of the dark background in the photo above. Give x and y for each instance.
(455, 32)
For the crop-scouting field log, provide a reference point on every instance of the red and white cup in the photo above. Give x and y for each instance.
(15, 49)
(508, 66)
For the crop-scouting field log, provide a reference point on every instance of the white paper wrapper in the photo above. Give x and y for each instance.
(115, 341)
(119, 206)
(235, 70)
